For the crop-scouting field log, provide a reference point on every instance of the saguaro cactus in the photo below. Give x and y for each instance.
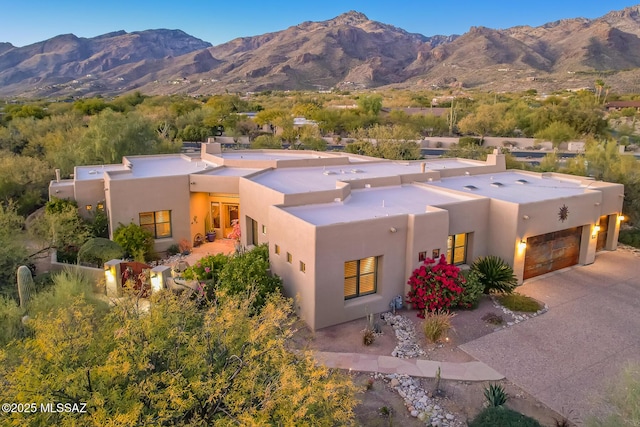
(25, 286)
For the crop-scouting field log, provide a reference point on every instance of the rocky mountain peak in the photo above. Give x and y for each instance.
(349, 18)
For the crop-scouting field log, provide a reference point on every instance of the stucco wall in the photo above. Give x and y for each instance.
(127, 198)
(338, 243)
(298, 238)
(255, 200)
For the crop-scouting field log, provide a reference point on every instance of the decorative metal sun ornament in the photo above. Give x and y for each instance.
(563, 213)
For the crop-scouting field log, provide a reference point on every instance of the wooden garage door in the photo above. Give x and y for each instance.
(552, 251)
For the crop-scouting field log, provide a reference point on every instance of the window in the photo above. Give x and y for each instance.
(303, 267)
(435, 254)
(289, 258)
(422, 256)
(158, 223)
(360, 277)
(264, 229)
(276, 249)
(457, 249)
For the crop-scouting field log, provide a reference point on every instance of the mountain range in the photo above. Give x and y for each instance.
(346, 52)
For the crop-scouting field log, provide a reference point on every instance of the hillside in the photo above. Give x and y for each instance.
(348, 52)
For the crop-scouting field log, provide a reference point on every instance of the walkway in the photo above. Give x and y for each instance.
(469, 371)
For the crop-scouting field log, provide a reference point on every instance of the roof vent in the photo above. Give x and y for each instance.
(328, 173)
(497, 184)
(93, 172)
(471, 187)
(522, 181)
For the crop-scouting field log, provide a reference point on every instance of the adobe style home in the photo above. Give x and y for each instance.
(345, 231)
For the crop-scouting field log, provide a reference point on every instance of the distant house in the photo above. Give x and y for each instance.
(619, 105)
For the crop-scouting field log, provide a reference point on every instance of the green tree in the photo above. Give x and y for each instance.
(135, 240)
(266, 141)
(370, 104)
(13, 252)
(172, 365)
(23, 179)
(556, 132)
(111, 135)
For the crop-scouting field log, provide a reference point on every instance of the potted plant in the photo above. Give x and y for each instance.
(209, 232)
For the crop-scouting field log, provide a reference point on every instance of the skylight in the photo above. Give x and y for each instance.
(522, 181)
(497, 184)
(471, 187)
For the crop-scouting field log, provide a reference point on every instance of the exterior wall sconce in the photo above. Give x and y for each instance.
(525, 217)
(522, 245)
(596, 230)
(621, 217)
(393, 229)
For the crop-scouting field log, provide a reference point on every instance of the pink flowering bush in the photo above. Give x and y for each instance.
(206, 269)
(435, 286)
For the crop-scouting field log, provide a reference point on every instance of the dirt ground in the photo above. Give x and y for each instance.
(462, 398)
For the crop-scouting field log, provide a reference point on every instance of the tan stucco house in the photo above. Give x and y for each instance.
(346, 231)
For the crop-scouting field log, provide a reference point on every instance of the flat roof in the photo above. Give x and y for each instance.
(230, 171)
(87, 173)
(514, 187)
(270, 155)
(369, 203)
(303, 180)
(162, 165)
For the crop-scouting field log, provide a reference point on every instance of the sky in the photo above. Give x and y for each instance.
(218, 21)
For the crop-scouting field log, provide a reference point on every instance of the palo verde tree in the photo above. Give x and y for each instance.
(172, 365)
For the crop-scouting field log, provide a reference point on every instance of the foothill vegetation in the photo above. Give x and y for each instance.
(221, 356)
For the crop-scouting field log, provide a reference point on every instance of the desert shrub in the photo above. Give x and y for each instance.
(472, 290)
(248, 272)
(173, 250)
(495, 274)
(135, 240)
(519, 302)
(99, 250)
(437, 324)
(623, 396)
(500, 416)
(99, 224)
(630, 236)
(467, 141)
(495, 395)
(68, 285)
(368, 337)
(434, 286)
(11, 320)
(207, 271)
(266, 141)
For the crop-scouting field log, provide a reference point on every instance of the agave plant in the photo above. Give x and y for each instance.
(495, 395)
(495, 274)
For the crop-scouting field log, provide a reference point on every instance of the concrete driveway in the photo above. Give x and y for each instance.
(567, 357)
